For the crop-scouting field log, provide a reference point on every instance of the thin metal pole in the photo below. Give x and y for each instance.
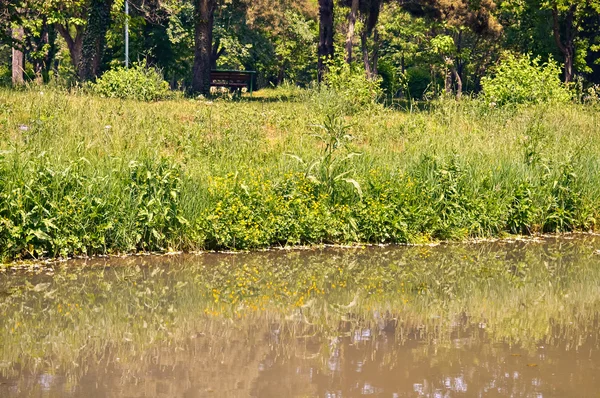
(127, 33)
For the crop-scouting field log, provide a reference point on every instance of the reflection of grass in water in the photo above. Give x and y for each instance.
(544, 293)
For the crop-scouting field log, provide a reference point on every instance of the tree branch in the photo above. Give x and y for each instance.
(556, 30)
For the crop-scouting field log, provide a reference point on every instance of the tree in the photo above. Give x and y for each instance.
(462, 27)
(18, 57)
(69, 18)
(204, 12)
(326, 32)
(83, 24)
(94, 38)
(352, 14)
(370, 10)
(563, 21)
(11, 11)
(567, 17)
(12, 14)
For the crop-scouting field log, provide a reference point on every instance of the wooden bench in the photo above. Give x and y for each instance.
(233, 79)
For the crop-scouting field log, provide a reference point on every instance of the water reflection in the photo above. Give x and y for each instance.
(493, 319)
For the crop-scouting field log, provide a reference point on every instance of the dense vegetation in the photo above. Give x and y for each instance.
(390, 121)
(418, 48)
(86, 175)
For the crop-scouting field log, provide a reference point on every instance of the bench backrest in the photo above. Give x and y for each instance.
(232, 76)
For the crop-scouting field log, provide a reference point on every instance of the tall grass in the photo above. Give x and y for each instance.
(85, 175)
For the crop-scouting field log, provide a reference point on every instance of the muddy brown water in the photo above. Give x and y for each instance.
(490, 319)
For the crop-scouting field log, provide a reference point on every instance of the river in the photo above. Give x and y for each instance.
(507, 318)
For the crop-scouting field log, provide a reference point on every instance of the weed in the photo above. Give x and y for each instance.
(329, 169)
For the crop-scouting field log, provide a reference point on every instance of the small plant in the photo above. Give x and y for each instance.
(328, 169)
(522, 211)
(564, 199)
(155, 190)
(138, 82)
(522, 80)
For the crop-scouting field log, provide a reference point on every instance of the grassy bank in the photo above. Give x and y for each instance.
(85, 175)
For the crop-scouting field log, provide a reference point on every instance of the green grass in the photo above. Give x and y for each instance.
(86, 175)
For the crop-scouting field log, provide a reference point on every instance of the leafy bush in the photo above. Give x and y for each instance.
(5, 75)
(391, 79)
(138, 82)
(419, 81)
(522, 80)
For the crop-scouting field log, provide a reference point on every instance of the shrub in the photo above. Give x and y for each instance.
(419, 81)
(522, 80)
(5, 75)
(391, 79)
(138, 82)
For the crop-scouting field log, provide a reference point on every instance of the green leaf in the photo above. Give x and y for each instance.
(41, 235)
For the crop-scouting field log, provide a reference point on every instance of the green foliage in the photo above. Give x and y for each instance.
(522, 211)
(48, 210)
(392, 81)
(83, 175)
(155, 192)
(564, 199)
(295, 49)
(5, 75)
(138, 82)
(418, 82)
(522, 80)
(330, 169)
(45, 211)
(346, 89)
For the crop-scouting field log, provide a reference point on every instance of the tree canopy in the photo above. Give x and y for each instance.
(428, 44)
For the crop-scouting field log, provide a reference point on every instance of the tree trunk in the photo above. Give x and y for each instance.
(204, 12)
(326, 26)
(448, 81)
(375, 63)
(94, 39)
(568, 46)
(45, 45)
(51, 53)
(459, 84)
(18, 59)
(351, 26)
(365, 52)
(75, 44)
(569, 65)
(217, 51)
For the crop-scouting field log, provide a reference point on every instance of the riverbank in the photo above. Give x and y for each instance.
(84, 175)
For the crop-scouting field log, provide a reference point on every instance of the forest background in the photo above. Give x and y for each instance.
(418, 48)
(408, 121)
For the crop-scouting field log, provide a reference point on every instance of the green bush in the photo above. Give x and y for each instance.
(5, 75)
(419, 81)
(391, 79)
(138, 82)
(522, 80)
